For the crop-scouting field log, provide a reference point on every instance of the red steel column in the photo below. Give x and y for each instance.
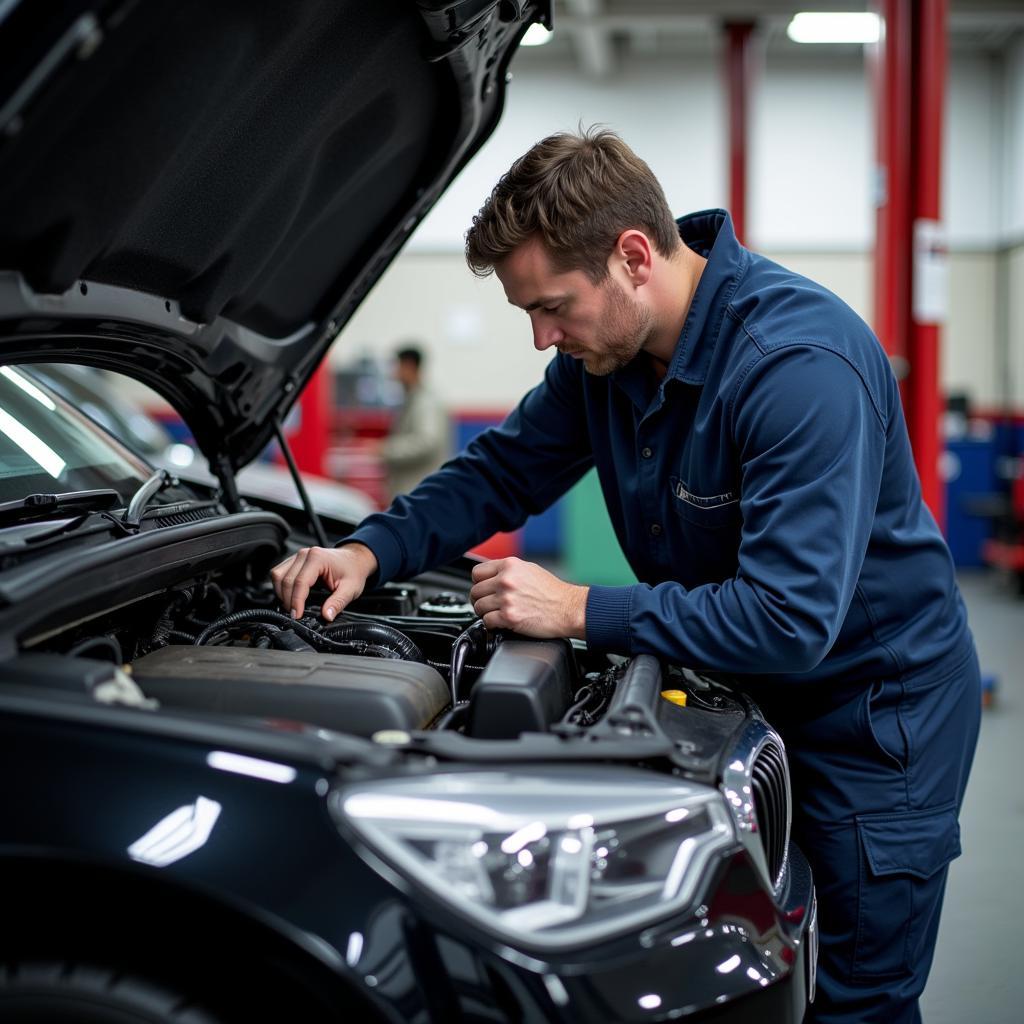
(892, 80)
(738, 73)
(909, 72)
(310, 440)
(928, 310)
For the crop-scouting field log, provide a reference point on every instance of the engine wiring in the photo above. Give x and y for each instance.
(591, 700)
(346, 638)
(247, 615)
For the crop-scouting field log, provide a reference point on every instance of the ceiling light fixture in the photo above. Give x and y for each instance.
(834, 27)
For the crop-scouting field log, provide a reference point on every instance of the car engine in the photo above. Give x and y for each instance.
(398, 658)
(196, 629)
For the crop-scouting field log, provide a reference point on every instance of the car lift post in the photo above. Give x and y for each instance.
(911, 258)
(738, 76)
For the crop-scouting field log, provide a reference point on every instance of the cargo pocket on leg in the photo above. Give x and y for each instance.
(901, 856)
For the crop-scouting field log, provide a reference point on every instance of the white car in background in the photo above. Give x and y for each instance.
(96, 393)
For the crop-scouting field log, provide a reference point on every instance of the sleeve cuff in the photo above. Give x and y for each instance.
(608, 618)
(385, 547)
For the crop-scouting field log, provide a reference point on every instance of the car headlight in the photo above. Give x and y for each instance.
(548, 859)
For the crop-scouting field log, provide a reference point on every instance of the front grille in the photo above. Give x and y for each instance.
(771, 805)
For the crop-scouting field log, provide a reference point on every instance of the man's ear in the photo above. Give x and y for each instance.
(635, 254)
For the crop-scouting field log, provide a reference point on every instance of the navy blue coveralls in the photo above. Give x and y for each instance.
(765, 495)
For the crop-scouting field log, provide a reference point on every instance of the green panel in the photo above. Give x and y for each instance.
(592, 553)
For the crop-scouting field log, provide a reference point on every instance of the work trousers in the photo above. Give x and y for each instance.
(878, 779)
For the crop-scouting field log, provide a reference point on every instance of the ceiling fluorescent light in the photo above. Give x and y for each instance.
(536, 35)
(821, 27)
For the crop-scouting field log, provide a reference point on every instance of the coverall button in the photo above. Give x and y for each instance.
(655, 529)
(646, 453)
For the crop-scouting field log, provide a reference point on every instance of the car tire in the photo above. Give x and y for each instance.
(55, 992)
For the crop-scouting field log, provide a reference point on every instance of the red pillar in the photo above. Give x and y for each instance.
(924, 387)
(892, 81)
(738, 73)
(909, 73)
(310, 439)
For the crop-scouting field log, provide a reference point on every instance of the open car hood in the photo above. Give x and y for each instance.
(200, 194)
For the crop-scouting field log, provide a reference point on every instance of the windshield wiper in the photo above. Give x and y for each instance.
(129, 522)
(37, 506)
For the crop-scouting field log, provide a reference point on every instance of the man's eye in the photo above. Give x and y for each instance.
(552, 309)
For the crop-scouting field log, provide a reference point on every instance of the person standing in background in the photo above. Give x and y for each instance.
(420, 438)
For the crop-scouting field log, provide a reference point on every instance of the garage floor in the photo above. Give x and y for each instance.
(977, 975)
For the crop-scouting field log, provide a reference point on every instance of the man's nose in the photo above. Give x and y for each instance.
(546, 335)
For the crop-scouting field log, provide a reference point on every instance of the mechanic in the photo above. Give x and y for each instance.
(751, 448)
(420, 438)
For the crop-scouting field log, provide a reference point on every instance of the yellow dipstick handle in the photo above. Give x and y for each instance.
(676, 696)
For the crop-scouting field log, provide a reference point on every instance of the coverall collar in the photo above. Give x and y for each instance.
(710, 234)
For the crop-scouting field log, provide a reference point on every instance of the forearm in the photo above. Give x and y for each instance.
(504, 475)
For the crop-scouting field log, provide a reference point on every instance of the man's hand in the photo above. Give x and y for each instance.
(345, 570)
(509, 593)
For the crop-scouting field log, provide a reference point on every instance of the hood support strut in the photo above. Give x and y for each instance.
(314, 519)
(221, 466)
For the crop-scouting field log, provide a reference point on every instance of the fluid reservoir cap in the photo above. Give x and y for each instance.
(675, 696)
(447, 603)
(391, 737)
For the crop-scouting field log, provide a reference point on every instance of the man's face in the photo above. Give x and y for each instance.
(601, 324)
(407, 373)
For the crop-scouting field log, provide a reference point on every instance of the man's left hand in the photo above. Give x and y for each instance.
(509, 593)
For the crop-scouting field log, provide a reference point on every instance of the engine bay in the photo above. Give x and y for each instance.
(403, 657)
(400, 658)
(186, 620)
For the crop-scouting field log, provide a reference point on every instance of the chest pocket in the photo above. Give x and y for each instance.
(711, 511)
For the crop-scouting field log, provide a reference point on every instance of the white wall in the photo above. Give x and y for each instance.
(811, 146)
(481, 354)
(971, 153)
(1012, 131)
(480, 350)
(810, 158)
(969, 344)
(671, 115)
(1014, 357)
(1011, 342)
(810, 206)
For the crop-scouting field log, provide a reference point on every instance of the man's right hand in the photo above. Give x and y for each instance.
(345, 570)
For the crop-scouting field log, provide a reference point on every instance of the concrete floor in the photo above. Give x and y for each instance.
(977, 977)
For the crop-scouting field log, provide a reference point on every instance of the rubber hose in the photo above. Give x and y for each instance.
(109, 642)
(378, 634)
(252, 615)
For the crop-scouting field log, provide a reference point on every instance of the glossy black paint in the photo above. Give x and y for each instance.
(222, 226)
(92, 780)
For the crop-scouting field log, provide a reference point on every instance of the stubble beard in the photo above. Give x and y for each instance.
(625, 329)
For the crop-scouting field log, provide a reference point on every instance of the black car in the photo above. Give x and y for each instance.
(210, 811)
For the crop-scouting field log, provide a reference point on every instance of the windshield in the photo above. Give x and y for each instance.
(48, 447)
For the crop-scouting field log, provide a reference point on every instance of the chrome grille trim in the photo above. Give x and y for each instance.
(755, 783)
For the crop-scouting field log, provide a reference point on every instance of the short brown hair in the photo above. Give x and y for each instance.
(578, 193)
